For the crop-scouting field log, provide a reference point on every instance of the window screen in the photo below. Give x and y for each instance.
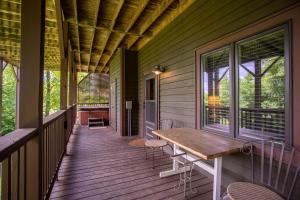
(216, 89)
(261, 86)
(150, 100)
(94, 88)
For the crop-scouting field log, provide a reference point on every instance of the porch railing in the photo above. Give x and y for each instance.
(18, 158)
(271, 121)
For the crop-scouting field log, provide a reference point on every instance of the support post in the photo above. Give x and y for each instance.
(217, 178)
(63, 83)
(1, 87)
(75, 98)
(30, 97)
(71, 79)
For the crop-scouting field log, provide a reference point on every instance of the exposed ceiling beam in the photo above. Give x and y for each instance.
(60, 28)
(112, 25)
(158, 12)
(70, 21)
(77, 29)
(18, 40)
(140, 9)
(18, 36)
(94, 31)
(181, 6)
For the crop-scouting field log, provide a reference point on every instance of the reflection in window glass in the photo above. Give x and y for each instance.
(93, 88)
(216, 88)
(261, 74)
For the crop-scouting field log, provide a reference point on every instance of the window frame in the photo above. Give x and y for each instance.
(234, 83)
(202, 106)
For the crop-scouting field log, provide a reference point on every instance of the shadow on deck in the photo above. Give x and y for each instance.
(101, 165)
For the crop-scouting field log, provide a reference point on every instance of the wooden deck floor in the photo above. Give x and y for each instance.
(101, 165)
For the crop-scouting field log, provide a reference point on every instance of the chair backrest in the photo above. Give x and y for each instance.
(165, 124)
(275, 167)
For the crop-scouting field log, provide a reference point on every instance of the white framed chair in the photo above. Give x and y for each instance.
(274, 179)
(185, 178)
(157, 143)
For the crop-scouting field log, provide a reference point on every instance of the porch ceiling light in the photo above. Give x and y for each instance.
(158, 70)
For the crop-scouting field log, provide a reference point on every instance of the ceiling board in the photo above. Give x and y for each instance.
(97, 31)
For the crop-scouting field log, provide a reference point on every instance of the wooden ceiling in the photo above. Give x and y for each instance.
(98, 27)
(10, 34)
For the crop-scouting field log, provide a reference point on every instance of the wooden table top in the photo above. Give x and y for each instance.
(200, 143)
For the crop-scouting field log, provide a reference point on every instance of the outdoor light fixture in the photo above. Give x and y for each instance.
(158, 70)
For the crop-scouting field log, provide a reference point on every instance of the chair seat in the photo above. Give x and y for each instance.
(155, 143)
(250, 191)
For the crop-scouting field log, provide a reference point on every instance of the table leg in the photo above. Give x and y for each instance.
(217, 178)
(175, 168)
(175, 165)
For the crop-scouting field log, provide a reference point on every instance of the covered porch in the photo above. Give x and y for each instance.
(89, 76)
(99, 164)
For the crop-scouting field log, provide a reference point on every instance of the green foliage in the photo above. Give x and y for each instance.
(80, 76)
(272, 86)
(93, 88)
(224, 91)
(8, 100)
(51, 93)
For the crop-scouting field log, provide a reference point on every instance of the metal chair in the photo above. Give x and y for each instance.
(158, 143)
(274, 173)
(185, 178)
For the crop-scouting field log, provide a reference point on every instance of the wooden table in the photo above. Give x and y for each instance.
(203, 145)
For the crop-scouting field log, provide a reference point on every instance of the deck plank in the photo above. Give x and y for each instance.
(101, 165)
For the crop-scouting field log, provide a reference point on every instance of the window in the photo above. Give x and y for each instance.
(216, 89)
(261, 85)
(93, 89)
(251, 97)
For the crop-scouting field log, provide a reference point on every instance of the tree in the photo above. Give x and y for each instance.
(8, 100)
(51, 93)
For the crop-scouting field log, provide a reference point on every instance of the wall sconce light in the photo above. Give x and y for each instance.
(158, 70)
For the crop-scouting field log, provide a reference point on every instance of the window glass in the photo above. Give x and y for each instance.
(94, 89)
(261, 86)
(216, 89)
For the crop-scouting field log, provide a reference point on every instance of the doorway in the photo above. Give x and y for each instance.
(150, 105)
(113, 105)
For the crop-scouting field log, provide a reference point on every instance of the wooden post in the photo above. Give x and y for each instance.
(63, 84)
(75, 99)
(30, 96)
(1, 87)
(71, 78)
(257, 95)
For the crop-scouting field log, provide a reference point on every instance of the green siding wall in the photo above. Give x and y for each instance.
(174, 48)
(115, 77)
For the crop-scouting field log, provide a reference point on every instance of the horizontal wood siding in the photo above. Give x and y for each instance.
(174, 48)
(115, 77)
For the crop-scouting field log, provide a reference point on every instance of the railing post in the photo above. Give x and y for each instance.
(30, 96)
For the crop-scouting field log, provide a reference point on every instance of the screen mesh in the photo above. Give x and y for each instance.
(94, 88)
